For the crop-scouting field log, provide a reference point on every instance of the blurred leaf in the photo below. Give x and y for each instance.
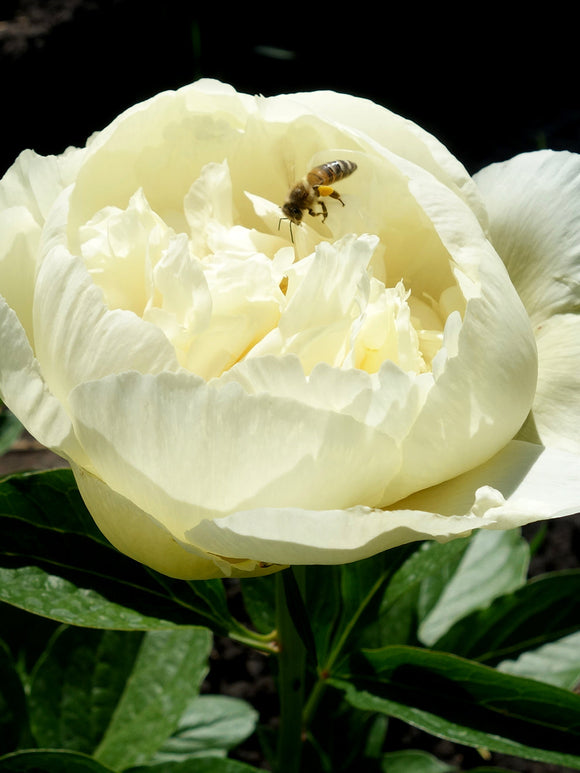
(13, 718)
(54, 562)
(557, 663)
(25, 635)
(169, 669)
(41, 761)
(10, 429)
(495, 563)
(210, 726)
(297, 610)
(324, 605)
(414, 761)
(467, 703)
(545, 609)
(197, 765)
(259, 601)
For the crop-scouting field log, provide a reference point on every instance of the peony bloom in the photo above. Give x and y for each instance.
(234, 396)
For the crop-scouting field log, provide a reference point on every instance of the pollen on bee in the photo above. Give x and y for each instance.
(325, 190)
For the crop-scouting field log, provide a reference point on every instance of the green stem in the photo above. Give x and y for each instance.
(264, 642)
(326, 669)
(291, 676)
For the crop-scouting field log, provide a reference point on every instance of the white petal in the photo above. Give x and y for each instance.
(155, 146)
(532, 201)
(183, 451)
(77, 338)
(522, 483)
(484, 389)
(35, 181)
(392, 131)
(137, 535)
(555, 420)
(20, 237)
(25, 392)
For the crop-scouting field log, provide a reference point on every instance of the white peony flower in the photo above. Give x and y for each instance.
(234, 396)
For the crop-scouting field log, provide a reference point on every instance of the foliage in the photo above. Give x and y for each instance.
(102, 660)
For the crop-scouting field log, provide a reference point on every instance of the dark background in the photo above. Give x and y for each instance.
(487, 83)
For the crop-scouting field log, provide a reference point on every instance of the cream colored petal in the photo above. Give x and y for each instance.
(532, 201)
(555, 420)
(398, 134)
(522, 483)
(18, 249)
(35, 182)
(485, 374)
(25, 392)
(183, 451)
(137, 535)
(77, 338)
(160, 145)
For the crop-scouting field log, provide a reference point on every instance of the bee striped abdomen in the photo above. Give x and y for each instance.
(325, 174)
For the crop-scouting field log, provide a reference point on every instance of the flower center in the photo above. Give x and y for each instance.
(222, 292)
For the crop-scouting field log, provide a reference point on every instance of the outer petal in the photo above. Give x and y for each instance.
(522, 483)
(532, 201)
(184, 451)
(485, 377)
(20, 236)
(24, 389)
(535, 226)
(137, 535)
(35, 181)
(555, 419)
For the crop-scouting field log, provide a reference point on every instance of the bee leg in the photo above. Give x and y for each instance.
(326, 190)
(323, 213)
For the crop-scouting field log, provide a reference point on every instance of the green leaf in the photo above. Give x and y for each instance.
(468, 703)
(77, 685)
(169, 669)
(495, 563)
(210, 726)
(557, 663)
(324, 604)
(363, 588)
(54, 562)
(50, 762)
(260, 602)
(545, 609)
(13, 719)
(10, 429)
(432, 562)
(414, 761)
(119, 693)
(297, 611)
(428, 567)
(197, 765)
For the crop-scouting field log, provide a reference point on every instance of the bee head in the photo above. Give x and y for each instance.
(292, 212)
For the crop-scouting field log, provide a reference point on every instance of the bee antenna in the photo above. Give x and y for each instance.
(290, 224)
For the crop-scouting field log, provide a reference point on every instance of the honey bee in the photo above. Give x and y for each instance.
(318, 182)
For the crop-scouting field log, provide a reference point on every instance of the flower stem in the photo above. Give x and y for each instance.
(291, 676)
